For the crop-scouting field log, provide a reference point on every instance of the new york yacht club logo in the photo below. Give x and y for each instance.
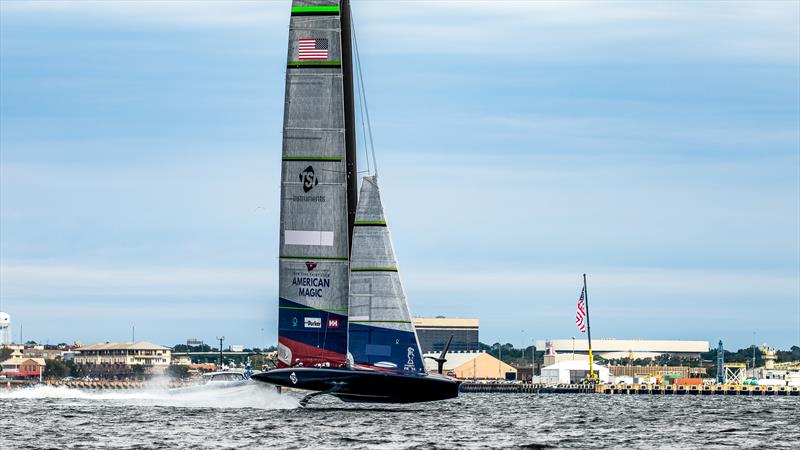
(311, 265)
(308, 178)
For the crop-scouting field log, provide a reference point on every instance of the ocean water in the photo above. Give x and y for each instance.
(255, 416)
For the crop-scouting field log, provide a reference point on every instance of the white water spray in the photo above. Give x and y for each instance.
(245, 396)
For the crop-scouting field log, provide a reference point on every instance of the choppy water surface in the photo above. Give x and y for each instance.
(256, 417)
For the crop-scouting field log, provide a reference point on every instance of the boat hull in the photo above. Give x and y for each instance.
(364, 385)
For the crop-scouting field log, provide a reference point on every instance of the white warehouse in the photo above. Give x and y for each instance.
(571, 372)
(625, 348)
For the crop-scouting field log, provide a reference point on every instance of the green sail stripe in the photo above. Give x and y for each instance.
(369, 222)
(373, 269)
(315, 9)
(312, 158)
(332, 258)
(380, 321)
(311, 309)
(295, 64)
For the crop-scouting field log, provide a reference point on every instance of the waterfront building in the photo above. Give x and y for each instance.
(40, 351)
(527, 372)
(656, 371)
(20, 366)
(434, 332)
(118, 359)
(472, 366)
(11, 364)
(31, 367)
(621, 348)
(572, 372)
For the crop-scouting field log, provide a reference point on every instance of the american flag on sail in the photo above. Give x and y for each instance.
(581, 314)
(312, 49)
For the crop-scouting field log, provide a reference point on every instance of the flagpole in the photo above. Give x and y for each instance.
(588, 329)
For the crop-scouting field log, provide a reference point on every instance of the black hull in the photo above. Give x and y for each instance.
(364, 386)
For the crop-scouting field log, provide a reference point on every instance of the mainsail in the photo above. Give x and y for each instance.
(318, 159)
(382, 335)
(360, 347)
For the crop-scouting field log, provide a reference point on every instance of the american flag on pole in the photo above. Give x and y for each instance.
(312, 49)
(581, 314)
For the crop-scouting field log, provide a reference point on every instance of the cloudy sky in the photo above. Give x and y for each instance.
(654, 146)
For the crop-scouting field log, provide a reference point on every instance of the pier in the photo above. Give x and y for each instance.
(629, 389)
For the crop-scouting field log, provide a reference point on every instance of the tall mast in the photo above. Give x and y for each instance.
(588, 329)
(349, 118)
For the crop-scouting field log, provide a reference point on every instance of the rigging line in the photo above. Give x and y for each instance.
(363, 127)
(361, 110)
(364, 95)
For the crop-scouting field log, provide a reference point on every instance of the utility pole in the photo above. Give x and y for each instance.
(133, 334)
(522, 345)
(500, 360)
(754, 354)
(573, 348)
(220, 338)
(533, 357)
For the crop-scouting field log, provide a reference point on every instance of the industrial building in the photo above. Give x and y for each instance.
(434, 333)
(786, 372)
(622, 348)
(114, 358)
(472, 366)
(572, 372)
(656, 371)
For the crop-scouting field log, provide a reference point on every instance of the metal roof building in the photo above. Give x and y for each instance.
(472, 365)
(626, 348)
(434, 332)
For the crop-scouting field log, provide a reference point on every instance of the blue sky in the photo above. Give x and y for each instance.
(654, 146)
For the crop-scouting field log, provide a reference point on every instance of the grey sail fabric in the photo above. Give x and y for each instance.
(381, 331)
(313, 284)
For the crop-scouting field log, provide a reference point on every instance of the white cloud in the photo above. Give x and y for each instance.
(58, 281)
(537, 31)
(671, 282)
(584, 31)
(229, 13)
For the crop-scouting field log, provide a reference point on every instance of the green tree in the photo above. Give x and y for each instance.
(138, 371)
(183, 348)
(792, 355)
(5, 353)
(55, 369)
(73, 369)
(177, 371)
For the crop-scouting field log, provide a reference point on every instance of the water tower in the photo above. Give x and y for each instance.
(5, 329)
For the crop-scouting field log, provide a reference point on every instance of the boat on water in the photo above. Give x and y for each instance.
(216, 380)
(344, 326)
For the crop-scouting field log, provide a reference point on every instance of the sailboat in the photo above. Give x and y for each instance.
(344, 326)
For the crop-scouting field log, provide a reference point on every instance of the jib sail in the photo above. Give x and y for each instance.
(382, 335)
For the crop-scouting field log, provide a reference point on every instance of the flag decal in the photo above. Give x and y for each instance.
(312, 49)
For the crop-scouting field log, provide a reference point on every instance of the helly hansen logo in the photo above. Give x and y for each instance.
(309, 179)
(333, 323)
